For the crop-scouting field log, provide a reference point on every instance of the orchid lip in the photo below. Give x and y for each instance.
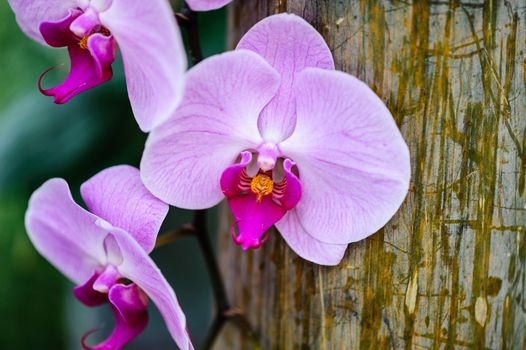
(128, 302)
(91, 49)
(258, 200)
(247, 244)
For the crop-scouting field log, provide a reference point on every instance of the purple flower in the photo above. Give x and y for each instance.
(287, 139)
(105, 251)
(206, 5)
(145, 32)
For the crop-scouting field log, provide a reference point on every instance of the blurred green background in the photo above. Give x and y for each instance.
(40, 140)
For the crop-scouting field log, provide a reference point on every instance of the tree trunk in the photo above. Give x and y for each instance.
(449, 270)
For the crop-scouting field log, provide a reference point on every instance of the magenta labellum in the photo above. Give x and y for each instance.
(258, 201)
(91, 50)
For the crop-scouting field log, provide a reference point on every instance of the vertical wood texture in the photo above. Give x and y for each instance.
(449, 270)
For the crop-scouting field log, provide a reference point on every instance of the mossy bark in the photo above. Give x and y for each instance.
(449, 270)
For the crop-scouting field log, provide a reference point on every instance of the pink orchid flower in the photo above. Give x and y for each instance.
(287, 139)
(207, 5)
(105, 251)
(145, 32)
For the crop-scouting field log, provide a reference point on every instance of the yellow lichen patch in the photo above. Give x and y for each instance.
(261, 185)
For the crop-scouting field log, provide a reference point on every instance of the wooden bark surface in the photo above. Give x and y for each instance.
(449, 270)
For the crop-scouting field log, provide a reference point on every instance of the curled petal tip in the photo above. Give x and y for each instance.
(46, 92)
(235, 238)
(245, 242)
(246, 157)
(288, 164)
(130, 308)
(85, 337)
(261, 241)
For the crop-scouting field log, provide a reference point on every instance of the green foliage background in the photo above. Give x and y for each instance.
(40, 140)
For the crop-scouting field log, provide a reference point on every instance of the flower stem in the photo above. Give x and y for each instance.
(225, 312)
(188, 20)
(210, 260)
(173, 235)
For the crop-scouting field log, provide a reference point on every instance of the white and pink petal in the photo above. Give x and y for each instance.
(184, 159)
(207, 5)
(118, 195)
(30, 14)
(64, 233)
(306, 246)
(153, 54)
(141, 269)
(353, 162)
(289, 44)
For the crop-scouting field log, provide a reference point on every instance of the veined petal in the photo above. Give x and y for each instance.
(352, 159)
(118, 195)
(306, 246)
(206, 5)
(140, 268)
(289, 44)
(185, 157)
(63, 232)
(153, 54)
(31, 13)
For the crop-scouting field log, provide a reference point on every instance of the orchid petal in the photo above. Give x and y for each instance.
(206, 5)
(118, 195)
(140, 268)
(306, 246)
(153, 54)
(31, 13)
(130, 308)
(184, 159)
(289, 44)
(352, 160)
(63, 232)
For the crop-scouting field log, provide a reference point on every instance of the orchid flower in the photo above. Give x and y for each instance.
(105, 250)
(145, 32)
(287, 139)
(207, 5)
